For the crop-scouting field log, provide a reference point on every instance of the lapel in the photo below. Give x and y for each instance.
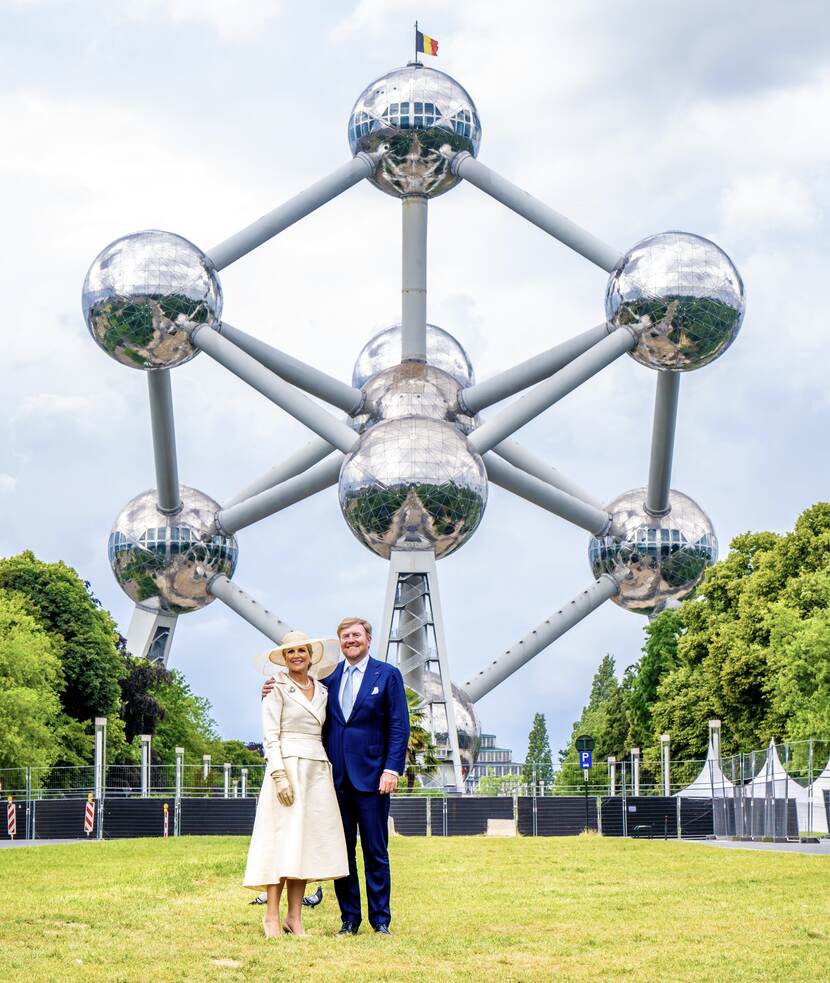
(314, 707)
(334, 692)
(370, 677)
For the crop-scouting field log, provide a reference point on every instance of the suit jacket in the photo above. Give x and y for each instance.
(376, 735)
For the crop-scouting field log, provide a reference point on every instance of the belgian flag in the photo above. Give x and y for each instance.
(425, 44)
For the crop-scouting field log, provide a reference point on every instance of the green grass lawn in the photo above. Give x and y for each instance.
(474, 909)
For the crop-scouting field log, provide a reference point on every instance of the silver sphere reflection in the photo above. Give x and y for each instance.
(412, 389)
(142, 292)
(169, 557)
(654, 558)
(466, 721)
(417, 118)
(690, 294)
(383, 350)
(413, 484)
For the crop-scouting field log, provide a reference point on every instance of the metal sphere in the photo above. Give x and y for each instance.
(383, 350)
(170, 557)
(412, 389)
(655, 558)
(466, 721)
(689, 293)
(417, 119)
(413, 484)
(142, 292)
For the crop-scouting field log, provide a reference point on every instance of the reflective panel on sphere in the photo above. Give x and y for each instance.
(383, 350)
(690, 294)
(143, 291)
(466, 721)
(656, 558)
(154, 555)
(414, 484)
(412, 389)
(417, 118)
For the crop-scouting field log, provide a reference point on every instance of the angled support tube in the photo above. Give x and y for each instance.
(414, 278)
(662, 443)
(588, 517)
(247, 608)
(525, 460)
(550, 221)
(312, 453)
(305, 377)
(528, 373)
(546, 393)
(164, 440)
(291, 211)
(273, 500)
(272, 387)
(541, 636)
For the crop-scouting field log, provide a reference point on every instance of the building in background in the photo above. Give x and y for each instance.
(493, 762)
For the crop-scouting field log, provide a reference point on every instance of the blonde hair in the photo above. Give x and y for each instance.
(347, 622)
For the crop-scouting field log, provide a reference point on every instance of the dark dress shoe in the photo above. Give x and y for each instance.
(348, 928)
(382, 930)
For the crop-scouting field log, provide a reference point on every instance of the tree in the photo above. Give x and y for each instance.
(186, 721)
(30, 679)
(499, 784)
(421, 758)
(140, 708)
(64, 606)
(538, 766)
(641, 682)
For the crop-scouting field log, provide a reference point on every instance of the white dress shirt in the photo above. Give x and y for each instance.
(357, 680)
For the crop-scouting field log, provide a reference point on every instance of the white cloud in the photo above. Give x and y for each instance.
(242, 19)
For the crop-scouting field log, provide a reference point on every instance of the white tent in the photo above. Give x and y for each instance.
(773, 781)
(711, 781)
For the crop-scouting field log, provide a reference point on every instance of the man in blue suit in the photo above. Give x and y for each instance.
(366, 736)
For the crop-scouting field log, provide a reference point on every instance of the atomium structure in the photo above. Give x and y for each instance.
(414, 459)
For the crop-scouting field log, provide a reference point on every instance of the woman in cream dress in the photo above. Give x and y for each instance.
(298, 833)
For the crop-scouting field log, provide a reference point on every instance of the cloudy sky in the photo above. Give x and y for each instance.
(197, 116)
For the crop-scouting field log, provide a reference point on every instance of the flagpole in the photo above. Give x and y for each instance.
(416, 42)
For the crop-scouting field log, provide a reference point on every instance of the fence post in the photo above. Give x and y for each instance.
(624, 802)
(146, 742)
(29, 824)
(429, 815)
(665, 760)
(612, 775)
(599, 814)
(227, 770)
(679, 814)
(177, 802)
(244, 783)
(100, 772)
(515, 812)
(205, 766)
(445, 814)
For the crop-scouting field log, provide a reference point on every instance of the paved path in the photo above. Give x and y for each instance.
(16, 843)
(822, 848)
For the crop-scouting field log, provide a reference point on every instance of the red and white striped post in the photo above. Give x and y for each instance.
(11, 818)
(166, 820)
(89, 815)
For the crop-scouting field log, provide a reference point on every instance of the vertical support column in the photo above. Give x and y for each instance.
(100, 768)
(414, 279)
(714, 740)
(662, 443)
(665, 760)
(177, 801)
(244, 783)
(146, 744)
(226, 768)
(164, 440)
(635, 770)
(205, 766)
(612, 775)
(30, 825)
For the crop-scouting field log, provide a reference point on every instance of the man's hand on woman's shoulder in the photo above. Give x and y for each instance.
(267, 686)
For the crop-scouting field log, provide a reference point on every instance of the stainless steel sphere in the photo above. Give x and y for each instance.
(383, 350)
(654, 558)
(413, 484)
(689, 293)
(141, 293)
(466, 721)
(412, 389)
(154, 555)
(417, 118)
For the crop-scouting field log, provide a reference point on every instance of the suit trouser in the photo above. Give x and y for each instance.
(369, 813)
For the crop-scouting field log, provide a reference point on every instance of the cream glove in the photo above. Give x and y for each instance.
(285, 793)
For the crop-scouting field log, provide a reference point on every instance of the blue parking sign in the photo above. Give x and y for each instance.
(585, 760)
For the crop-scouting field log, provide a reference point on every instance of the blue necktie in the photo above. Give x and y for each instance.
(347, 700)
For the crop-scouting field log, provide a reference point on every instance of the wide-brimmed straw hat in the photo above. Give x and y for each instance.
(325, 654)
